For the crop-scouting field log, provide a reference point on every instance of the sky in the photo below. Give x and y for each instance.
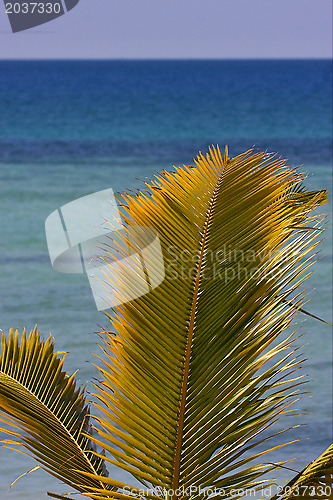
(153, 29)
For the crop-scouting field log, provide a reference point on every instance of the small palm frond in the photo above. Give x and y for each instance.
(47, 415)
(315, 481)
(190, 376)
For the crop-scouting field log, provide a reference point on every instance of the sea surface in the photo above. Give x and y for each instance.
(70, 128)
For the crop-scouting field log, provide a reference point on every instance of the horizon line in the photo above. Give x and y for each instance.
(258, 58)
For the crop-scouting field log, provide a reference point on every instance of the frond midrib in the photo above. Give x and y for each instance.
(184, 392)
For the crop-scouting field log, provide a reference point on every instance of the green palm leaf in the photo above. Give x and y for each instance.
(46, 412)
(190, 376)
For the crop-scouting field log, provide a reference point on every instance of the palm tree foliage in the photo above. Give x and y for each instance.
(45, 411)
(193, 375)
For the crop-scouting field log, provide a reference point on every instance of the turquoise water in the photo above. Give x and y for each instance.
(72, 128)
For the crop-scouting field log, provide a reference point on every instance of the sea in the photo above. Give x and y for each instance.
(72, 128)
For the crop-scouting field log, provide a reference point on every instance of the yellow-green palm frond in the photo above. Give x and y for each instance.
(315, 481)
(190, 375)
(45, 412)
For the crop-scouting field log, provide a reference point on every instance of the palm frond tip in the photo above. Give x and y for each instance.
(315, 481)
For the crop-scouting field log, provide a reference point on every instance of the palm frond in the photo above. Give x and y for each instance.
(315, 481)
(191, 378)
(45, 412)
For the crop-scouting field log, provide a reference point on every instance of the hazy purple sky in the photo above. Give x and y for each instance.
(178, 29)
